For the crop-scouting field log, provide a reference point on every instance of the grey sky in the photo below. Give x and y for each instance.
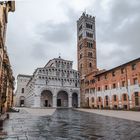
(41, 29)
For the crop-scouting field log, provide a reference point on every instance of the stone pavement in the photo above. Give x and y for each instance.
(39, 111)
(129, 115)
(68, 124)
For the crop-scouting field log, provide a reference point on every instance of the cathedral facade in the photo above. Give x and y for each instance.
(55, 85)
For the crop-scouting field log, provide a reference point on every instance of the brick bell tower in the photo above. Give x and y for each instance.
(86, 51)
(86, 45)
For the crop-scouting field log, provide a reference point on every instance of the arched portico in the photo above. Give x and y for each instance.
(74, 100)
(62, 99)
(46, 98)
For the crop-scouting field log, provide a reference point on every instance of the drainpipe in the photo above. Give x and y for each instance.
(127, 86)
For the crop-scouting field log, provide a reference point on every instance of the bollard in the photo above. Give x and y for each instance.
(1, 124)
(7, 116)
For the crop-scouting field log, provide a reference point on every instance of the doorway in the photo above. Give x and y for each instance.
(46, 103)
(58, 102)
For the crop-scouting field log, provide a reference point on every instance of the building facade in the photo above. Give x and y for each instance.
(55, 85)
(6, 75)
(22, 81)
(116, 88)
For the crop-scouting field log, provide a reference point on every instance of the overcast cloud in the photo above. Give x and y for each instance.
(41, 29)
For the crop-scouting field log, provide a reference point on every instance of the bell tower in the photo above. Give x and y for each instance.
(86, 45)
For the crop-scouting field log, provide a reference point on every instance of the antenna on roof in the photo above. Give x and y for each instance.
(84, 11)
(59, 55)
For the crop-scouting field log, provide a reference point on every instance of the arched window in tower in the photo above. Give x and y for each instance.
(89, 45)
(80, 46)
(90, 65)
(81, 66)
(90, 54)
(80, 56)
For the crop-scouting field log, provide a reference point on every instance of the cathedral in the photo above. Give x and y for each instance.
(58, 85)
(54, 85)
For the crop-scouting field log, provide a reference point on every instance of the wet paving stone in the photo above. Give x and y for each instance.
(69, 124)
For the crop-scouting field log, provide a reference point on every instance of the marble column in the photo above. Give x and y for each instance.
(79, 100)
(70, 101)
(36, 101)
(54, 100)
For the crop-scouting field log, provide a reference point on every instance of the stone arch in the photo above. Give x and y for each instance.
(46, 98)
(99, 102)
(62, 99)
(74, 99)
(125, 101)
(136, 99)
(115, 101)
(46, 88)
(106, 101)
(21, 101)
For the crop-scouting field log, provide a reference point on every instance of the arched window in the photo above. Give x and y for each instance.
(115, 98)
(92, 99)
(99, 99)
(81, 66)
(124, 97)
(22, 90)
(90, 54)
(90, 65)
(137, 102)
(80, 56)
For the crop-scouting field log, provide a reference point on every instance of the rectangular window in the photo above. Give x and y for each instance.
(88, 25)
(105, 76)
(137, 101)
(89, 45)
(135, 81)
(133, 66)
(106, 87)
(115, 98)
(90, 35)
(122, 70)
(106, 97)
(99, 88)
(114, 85)
(123, 83)
(124, 97)
(113, 73)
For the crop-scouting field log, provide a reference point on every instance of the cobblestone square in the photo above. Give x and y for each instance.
(69, 124)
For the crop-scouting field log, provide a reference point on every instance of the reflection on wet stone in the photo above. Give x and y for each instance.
(68, 124)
